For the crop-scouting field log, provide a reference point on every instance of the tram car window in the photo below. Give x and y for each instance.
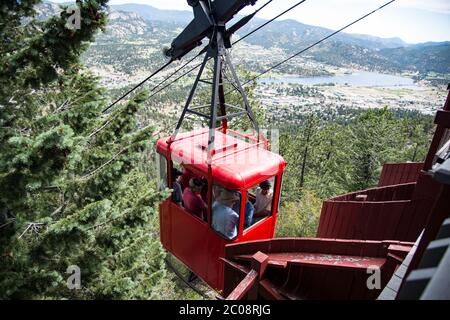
(226, 211)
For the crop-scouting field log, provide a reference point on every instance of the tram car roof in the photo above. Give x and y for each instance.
(235, 163)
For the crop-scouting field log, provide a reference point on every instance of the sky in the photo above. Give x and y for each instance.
(413, 21)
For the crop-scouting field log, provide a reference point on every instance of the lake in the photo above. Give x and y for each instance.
(359, 79)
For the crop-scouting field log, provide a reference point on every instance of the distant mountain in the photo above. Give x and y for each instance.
(380, 42)
(305, 32)
(430, 44)
(424, 57)
(292, 34)
(46, 9)
(136, 34)
(151, 13)
(130, 26)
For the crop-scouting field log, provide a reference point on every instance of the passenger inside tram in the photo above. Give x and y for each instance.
(248, 212)
(263, 202)
(192, 199)
(225, 219)
(177, 195)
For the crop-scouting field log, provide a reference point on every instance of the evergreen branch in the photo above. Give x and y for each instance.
(58, 210)
(100, 128)
(35, 226)
(50, 188)
(28, 227)
(70, 105)
(7, 223)
(88, 175)
(61, 106)
(19, 130)
(112, 116)
(136, 242)
(104, 223)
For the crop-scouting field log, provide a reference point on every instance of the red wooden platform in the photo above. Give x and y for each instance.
(309, 268)
(335, 261)
(373, 228)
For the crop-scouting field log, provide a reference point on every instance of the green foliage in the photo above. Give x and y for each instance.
(376, 140)
(328, 158)
(332, 158)
(72, 191)
(299, 218)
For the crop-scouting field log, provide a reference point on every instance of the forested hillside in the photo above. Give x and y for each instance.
(78, 186)
(71, 194)
(337, 156)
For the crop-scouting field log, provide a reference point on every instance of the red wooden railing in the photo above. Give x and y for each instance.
(443, 124)
(442, 204)
(397, 212)
(397, 173)
(386, 193)
(401, 220)
(398, 209)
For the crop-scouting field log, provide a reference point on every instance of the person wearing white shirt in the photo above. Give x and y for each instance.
(224, 218)
(264, 196)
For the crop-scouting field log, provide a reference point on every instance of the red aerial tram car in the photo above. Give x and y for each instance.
(231, 164)
(239, 163)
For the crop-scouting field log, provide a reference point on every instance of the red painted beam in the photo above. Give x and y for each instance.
(443, 118)
(440, 130)
(334, 261)
(269, 291)
(244, 286)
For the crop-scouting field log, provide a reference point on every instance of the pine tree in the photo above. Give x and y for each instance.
(376, 138)
(71, 191)
(330, 170)
(298, 147)
(418, 131)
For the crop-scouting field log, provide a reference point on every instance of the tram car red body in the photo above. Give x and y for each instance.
(239, 163)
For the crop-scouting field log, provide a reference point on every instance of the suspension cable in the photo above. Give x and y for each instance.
(262, 7)
(176, 71)
(269, 21)
(175, 80)
(314, 44)
(163, 67)
(245, 36)
(137, 86)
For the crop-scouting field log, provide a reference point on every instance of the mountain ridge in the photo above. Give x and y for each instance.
(152, 13)
(138, 42)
